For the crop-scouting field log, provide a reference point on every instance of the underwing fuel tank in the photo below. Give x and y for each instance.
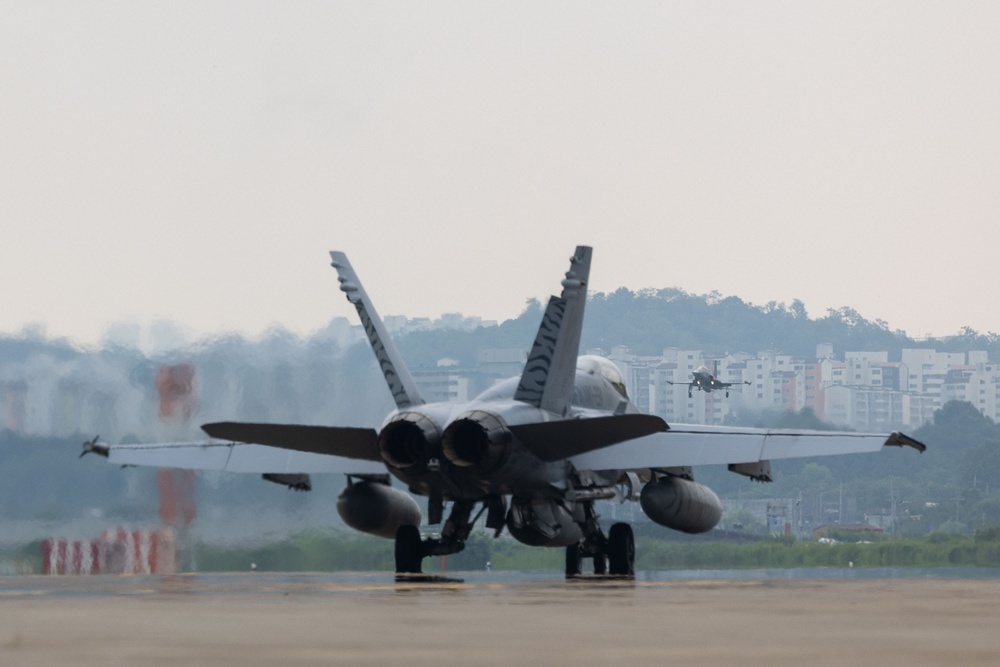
(376, 508)
(681, 504)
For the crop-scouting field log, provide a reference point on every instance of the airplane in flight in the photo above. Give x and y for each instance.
(533, 453)
(707, 382)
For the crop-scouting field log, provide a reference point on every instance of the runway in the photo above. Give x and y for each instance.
(360, 618)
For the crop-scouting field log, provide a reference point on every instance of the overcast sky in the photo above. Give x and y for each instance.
(196, 161)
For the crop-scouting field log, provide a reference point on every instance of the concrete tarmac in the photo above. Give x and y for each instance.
(367, 619)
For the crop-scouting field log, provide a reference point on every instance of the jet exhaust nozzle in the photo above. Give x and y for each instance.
(477, 439)
(408, 439)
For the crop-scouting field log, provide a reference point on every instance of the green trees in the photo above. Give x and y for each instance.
(649, 320)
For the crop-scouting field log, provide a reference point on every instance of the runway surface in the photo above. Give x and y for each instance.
(495, 618)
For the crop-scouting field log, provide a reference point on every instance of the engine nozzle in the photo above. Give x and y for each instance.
(477, 439)
(408, 439)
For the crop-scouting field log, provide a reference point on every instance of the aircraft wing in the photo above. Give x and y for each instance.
(235, 457)
(693, 445)
(258, 448)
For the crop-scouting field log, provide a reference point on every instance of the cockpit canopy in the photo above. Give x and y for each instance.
(595, 365)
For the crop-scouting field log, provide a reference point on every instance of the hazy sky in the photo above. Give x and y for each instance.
(196, 161)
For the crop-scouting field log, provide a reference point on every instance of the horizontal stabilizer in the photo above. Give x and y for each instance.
(346, 441)
(551, 441)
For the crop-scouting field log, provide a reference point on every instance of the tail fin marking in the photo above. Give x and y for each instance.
(550, 372)
(401, 384)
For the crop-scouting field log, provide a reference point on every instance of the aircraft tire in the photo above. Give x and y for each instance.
(572, 560)
(621, 550)
(600, 564)
(409, 550)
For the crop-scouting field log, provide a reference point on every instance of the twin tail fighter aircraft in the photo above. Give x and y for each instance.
(534, 453)
(706, 381)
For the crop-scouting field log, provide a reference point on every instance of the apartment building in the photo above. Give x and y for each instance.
(865, 390)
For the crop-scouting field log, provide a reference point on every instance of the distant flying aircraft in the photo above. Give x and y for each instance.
(706, 381)
(534, 453)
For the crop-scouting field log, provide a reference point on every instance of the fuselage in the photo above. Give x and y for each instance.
(466, 451)
(704, 379)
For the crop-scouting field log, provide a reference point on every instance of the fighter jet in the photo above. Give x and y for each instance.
(704, 380)
(534, 452)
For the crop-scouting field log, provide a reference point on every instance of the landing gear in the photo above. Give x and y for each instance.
(574, 565)
(409, 550)
(621, 550)
(613, 555)
(618, 559)
(573, 559)
(600, 564)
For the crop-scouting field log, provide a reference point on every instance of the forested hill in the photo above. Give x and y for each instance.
(646, 321)
(650, 320)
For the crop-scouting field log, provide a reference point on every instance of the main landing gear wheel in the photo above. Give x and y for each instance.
(600, 564)
(573, 561)
(621, 550)
(409, 550)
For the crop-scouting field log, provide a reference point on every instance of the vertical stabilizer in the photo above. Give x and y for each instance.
(401, 384)
(550, 372)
